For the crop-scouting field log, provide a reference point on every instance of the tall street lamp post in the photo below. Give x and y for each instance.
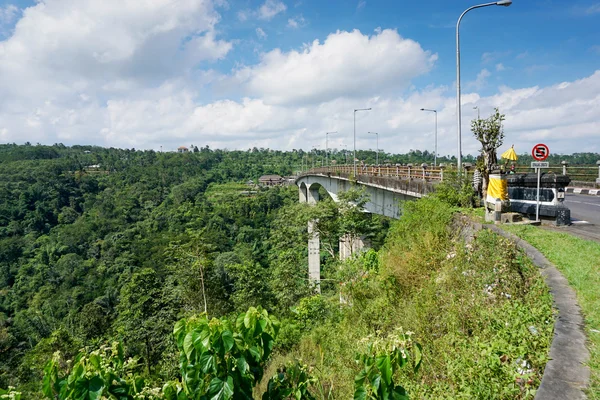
(504, 3)
(435, 146)
(377, 155)
(354, 154)
(327, 146)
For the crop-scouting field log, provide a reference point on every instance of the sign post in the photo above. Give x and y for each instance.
(539, 152)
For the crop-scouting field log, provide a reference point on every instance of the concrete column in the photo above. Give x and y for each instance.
(350, 244)
(302, 193)
(314, 257)
(314, 246)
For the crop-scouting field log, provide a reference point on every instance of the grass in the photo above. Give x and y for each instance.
(579, 262)
(481, 312)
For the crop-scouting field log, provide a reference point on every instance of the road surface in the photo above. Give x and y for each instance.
(585, 215)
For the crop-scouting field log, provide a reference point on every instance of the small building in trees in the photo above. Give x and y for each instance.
(270, 180)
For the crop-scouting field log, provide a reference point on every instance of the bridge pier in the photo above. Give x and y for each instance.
(350, 244)
(311, 196)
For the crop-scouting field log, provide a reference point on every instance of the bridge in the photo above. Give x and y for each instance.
(385, 186)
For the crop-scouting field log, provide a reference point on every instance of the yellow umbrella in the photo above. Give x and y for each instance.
(510, 154)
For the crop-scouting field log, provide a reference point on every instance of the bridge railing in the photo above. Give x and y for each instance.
(425, 173)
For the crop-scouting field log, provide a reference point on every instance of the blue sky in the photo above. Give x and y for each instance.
(239, 73)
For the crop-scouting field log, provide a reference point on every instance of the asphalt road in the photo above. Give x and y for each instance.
(585, 216)
(584, 208)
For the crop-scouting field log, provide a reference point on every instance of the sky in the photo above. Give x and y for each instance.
(279, 74)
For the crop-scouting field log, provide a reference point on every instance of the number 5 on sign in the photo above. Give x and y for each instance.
(540, 152)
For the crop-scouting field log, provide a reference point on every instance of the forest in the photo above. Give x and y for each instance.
(137, 260)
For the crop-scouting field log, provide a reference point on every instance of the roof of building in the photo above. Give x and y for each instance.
(270, 178)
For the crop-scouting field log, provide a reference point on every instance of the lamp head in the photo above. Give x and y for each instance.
(504, 3)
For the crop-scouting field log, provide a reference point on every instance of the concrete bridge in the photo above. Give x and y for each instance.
(386, 186)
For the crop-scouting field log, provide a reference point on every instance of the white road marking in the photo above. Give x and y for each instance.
(583, 202)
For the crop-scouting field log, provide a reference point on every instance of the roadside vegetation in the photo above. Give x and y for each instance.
(166, 278)
(579, 261)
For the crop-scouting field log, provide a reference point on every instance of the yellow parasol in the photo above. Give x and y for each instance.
(510, 154)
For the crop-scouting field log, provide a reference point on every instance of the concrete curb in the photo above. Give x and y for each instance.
(566, 375)
(592, 192)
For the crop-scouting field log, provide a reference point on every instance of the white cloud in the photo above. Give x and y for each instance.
(8, 14)
(260, 33)
(271, 8)
(481, 81)
(345, 64)
(593, 9)
(113, 73)
(296, 22)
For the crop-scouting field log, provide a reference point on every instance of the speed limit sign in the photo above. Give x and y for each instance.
(540, 152)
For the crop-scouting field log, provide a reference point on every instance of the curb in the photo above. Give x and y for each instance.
(566, 376)
(593, 192)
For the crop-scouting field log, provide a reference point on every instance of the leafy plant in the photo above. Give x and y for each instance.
(103, 373)
(382, 361)
(10, 394)
(222, 360)
(291, 382)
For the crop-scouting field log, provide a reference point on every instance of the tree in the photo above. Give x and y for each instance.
(490, 133)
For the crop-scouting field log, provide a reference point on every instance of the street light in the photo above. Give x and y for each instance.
(327, 146)
(435, 149)
(504, 3)
(377, 155)
(354, 154)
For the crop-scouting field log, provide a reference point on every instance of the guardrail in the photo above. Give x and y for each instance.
(425, 173)
(587, 173)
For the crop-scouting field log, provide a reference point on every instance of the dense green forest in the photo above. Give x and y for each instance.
(101, 246)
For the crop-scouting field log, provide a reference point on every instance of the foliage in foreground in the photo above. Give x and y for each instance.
(221, 359)
(479, 308)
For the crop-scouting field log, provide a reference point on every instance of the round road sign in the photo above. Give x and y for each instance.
(540, 152)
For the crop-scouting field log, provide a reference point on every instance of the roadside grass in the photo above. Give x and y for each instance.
(579, 261)
(480, 310)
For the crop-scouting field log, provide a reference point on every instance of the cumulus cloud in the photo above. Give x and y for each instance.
(345, 64)
(113, 73)
(481, 81)
(296, 22)
(271, 8)
(261, 33)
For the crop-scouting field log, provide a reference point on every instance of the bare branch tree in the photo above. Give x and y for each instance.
(490, 133)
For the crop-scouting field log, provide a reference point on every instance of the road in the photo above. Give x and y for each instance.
(585, 215)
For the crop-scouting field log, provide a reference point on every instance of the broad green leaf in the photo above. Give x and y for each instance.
(179, 332)
(96, 387)
(95, 361)
(360, 393)
(188, 344)
(250, 319)
(227, 338)
(418, 356)
(399, 393)
(242, 365)
(207, 363)
(385, 368)
(220, 390)
(255, 353)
